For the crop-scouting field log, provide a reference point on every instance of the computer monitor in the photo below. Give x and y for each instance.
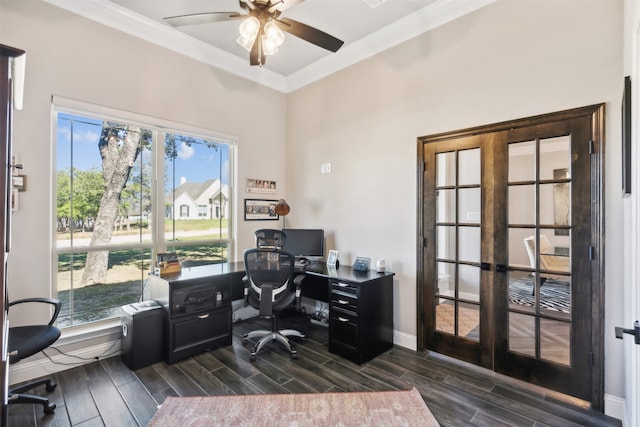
(304, 243)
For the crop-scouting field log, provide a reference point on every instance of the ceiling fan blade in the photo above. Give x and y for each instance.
(310, 34)
(282, 5)
(255, 52)
(203, 18)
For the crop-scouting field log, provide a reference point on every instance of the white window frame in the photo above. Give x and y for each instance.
(159, 127)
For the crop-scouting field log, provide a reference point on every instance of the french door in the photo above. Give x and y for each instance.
(509, 261)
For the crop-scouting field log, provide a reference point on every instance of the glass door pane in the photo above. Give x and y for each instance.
(458, 243)
(539, 249)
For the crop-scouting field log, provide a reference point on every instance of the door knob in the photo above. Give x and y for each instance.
(635, 331)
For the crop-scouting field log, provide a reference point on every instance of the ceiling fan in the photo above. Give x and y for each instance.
(261, 31)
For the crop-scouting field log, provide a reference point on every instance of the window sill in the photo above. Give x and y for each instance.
(94, 330)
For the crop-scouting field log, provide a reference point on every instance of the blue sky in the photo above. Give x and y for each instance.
(196, 162)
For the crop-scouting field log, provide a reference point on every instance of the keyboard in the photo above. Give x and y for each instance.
(301, 264)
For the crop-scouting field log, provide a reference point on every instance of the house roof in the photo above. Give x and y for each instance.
(196, 189)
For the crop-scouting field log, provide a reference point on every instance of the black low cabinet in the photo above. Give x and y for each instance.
(361, 316)
(198, 333)
(197, 306)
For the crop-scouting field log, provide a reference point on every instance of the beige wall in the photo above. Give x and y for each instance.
(506, 61)
(79, 59)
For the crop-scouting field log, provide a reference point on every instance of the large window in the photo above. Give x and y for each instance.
(126, 189)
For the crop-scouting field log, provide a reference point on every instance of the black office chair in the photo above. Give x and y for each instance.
(25, 341)
(270, 239)
(270, 287)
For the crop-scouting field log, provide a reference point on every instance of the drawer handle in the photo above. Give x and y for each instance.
(343, 302)
(342, 285)
(204, 316)
(342, 319)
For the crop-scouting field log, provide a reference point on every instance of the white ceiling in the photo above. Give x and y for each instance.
(365, 30)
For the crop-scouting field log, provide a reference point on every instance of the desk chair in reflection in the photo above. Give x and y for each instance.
(25, 341)
(271, 288)
(270, 239)
(548, 260)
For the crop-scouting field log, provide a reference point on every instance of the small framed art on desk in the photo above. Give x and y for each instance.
(332, 258)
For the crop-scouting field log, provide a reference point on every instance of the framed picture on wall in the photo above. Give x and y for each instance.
(261, 186)
(260, 210)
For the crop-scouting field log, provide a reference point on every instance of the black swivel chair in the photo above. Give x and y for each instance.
(25, 341)
(270, 239)
(270, 287)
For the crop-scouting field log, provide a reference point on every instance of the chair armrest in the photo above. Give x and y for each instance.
(245, 282)
(55, 302)
(298, 282)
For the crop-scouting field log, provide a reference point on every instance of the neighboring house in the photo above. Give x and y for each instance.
(193, 200)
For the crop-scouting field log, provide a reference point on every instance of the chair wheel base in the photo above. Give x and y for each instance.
(49, 409)
(50, 387)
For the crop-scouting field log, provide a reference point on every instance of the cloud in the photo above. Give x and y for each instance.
(83, 136)
(86, 137)
(186, 151)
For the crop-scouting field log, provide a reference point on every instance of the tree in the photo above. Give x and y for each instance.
(87, 190)
(119, 148)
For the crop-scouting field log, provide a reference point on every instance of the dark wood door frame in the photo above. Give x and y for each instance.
(596, 115)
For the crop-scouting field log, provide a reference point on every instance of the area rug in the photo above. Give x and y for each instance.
(379, 408)
(468, 319)
(554, 294)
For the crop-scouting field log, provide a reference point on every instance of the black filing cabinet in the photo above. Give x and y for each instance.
(360, 314)
(197, 307)
(141, 343)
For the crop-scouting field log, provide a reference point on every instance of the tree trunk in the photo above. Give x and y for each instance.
(117, 163)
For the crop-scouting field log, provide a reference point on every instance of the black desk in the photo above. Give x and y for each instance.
(197, 305)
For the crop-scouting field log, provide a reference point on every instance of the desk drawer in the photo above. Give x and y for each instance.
(343, 331)
(200, 332)
(344, 304)
(344, 289)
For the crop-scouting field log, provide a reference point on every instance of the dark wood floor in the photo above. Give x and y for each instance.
(107, 393)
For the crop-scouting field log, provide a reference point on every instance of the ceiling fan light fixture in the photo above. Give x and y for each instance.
(273, 33)
(250, 27)
(246, 43)
(248, 32)
(269, 47)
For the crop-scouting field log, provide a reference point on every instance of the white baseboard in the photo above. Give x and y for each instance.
(405, 340)
(615, 407)
(31, 368)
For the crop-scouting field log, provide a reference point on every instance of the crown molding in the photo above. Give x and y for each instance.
(115, 16)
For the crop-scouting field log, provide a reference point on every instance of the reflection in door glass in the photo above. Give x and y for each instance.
(469, 205)
(555, 208)
(521, 291)
(523, 210)
(446, 205)
(555, 158)
(469, 244)
(469, 321)
(445, 316)
(522, 334)
(522, 161)
(521, 254)
(446, 242)
(469, 282)
(539, 238)
(555, 340)
(445, 169)
(446, 279)
(555, 251)
(469, 170)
